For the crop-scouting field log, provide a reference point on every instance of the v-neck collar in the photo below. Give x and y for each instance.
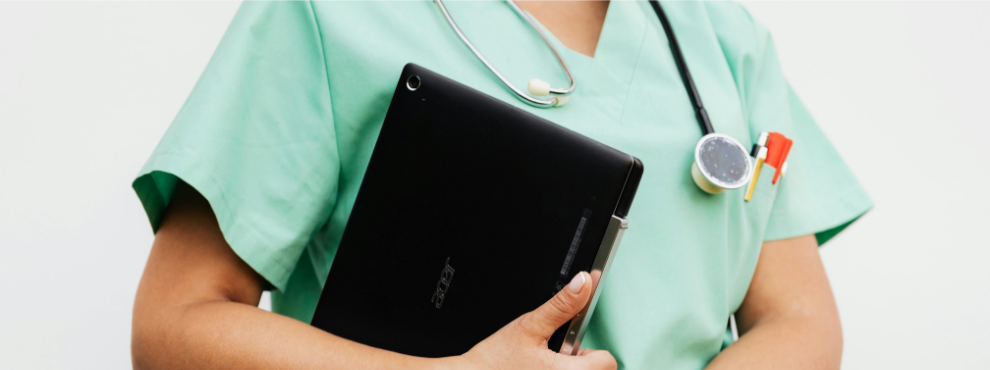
(618, 47)
(571, 52)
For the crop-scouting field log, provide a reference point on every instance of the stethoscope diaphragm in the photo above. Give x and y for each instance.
(720, 163)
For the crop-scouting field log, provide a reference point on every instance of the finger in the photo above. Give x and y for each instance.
(599, 360)
(542, 322)
(588, 360)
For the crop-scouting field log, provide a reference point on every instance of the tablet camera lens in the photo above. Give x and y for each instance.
(412, 83)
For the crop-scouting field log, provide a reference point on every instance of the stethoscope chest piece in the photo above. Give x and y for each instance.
(720, 163)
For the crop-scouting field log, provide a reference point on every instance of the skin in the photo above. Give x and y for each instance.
(577, 24)
(196, 305)
(788, 319)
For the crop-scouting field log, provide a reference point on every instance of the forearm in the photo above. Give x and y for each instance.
(228, 335)
(788, 319)
(797, 342)
(196, 308)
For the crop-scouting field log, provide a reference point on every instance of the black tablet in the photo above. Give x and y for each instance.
(472, 212)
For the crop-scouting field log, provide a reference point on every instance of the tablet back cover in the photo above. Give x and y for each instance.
(471, 213)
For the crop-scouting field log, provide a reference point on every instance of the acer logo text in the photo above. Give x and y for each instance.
(445, 277)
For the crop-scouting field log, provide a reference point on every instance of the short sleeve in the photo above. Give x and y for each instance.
(256, 138)
(819, 195)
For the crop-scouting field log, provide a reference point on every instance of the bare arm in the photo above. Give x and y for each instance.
(196, 307)
(788, 319)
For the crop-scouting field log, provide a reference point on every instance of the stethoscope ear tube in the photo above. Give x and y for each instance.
(556, 97)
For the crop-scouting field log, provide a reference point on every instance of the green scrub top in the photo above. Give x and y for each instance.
(278, 131)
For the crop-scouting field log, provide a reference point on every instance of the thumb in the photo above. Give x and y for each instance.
(542, 322)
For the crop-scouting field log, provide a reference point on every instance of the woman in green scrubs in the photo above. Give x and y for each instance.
(252, 185)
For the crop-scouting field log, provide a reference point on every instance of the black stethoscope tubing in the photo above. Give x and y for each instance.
(692, 90)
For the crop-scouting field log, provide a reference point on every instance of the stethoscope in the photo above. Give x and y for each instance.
(720, 162)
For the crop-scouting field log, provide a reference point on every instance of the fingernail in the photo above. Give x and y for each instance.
(576, 283)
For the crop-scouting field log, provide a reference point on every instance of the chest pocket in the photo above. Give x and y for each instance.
(746, 237)
(765, 191)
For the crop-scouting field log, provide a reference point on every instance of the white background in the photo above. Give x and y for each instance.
(87, 90)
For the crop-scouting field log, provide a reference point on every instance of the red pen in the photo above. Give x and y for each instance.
(775, 146)
(783, 159)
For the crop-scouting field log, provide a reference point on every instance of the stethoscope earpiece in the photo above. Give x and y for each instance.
(538, 87)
